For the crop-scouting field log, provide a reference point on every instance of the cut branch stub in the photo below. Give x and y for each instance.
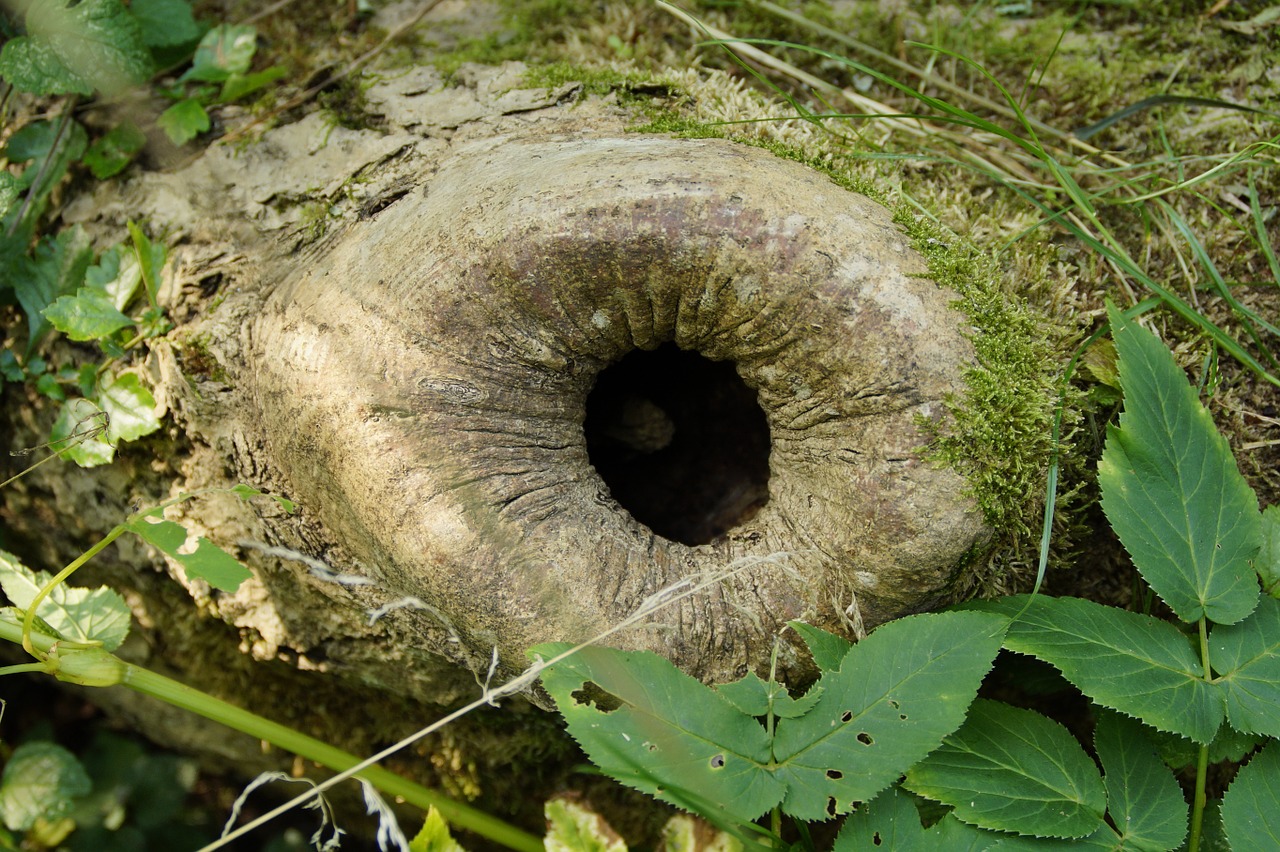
(424, 384)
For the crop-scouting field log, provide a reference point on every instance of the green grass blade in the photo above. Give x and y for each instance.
(1171, 489)
(1260, 224)
(1009, 769)
(1133, 663)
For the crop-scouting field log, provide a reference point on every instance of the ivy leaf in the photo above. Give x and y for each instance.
(652, 727)
(165, 23)
(88, 315)
(206, 561)
(56, 269)
(75, 48)
(1249, 809)
(1143, 798)
(892, 822)
(76, 613)
(225, 50)
(1246, 657)
(1126, 661)
(183, 121)
(130, 407)
(1172, 491)
(77, 434)
(827, 649)
(118, 274)
(1267, 562)
(114, 150)
(1009, 769)
(41, 781)
(895, 696)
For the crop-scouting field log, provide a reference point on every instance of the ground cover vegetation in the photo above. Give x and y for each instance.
(1086, 153)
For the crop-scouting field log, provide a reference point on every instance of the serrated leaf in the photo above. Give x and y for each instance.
(72, 612)
(892, 822)
(827, 649)
(117, 273)
(225, 50)
(1246, 657)
(1172, 491)
(1126, 661)
(130, 407)
(649, 725)
(1267, 562)
(895, 696)
(183, 121)
(206, 561)
(110, 153)
(1228, 744)
(1249, 810)
(1010, 769)
(434, 836)
(87, 315)
(756, 697)
(1143, 798)
(76, 47)
(41, 781)
(56, 269)
(78, 435)
(165, 23)
(573, 827)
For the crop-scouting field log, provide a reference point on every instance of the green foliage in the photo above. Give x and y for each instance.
(68, 612)
(76, 48)
(434, 836)
(571, 827)
(890, 701)
(1249, 809)
(41, 782)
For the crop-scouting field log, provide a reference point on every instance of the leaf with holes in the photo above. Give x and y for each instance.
(1143, 798)
(1246, 657)
(1172, 491)
(1129, 662)
(652, 727)
(1009, 769)
(892, 822)
(205, 561)
(1249, 809)
(895, 696)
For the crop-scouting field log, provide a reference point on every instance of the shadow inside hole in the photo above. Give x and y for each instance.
(680, 441)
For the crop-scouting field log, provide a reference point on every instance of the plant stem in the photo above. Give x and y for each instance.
(1199, 800)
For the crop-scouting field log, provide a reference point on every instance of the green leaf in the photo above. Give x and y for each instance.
(41, 780)
(74, 48)
(895, 696)
(572, 827)
(9, 188)
(1009, 769)
(114, 150)
(684, 833)
(756, 697)
(79, 614)
(87, 315)
(827, 649)
(247, 492)
(238, 85)
(1249, 809)
(206, 561)
(892, 822)
(56, 269)
(77, 434)
(1129, 662)
(130, 407)
(151, 258)
(649, 725)
(165, 23)
(434, 836)
(51, 147)
(183, 121)
(1171, 489)
(1228, 744)
(1246, 657)
(118, 274)
(1267, 561)
(225, 50)
(1143, 798)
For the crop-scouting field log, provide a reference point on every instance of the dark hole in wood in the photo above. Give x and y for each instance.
(680, 441)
